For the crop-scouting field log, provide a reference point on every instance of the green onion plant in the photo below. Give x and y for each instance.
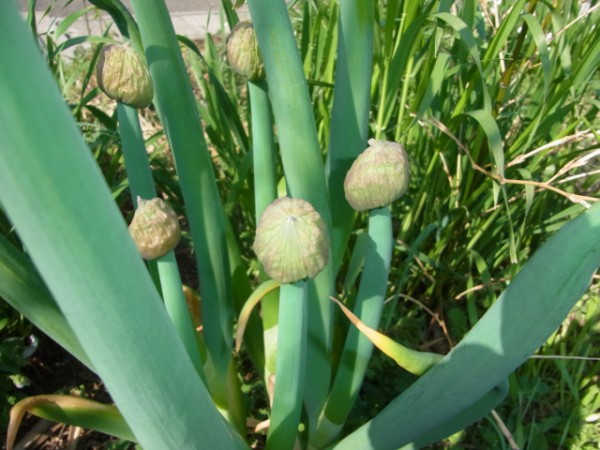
(493, 106)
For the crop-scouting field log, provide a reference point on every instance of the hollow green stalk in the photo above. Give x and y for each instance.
(136, 164)
(263, 147)
(304, 171)
(219, 112)
(177, 110)
(350, 114)
(176, 306)
(265, 191)
(357, 349)
(290, 367)
(141, 184)
(135, 155)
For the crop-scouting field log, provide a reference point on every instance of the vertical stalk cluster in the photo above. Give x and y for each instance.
(177, 388)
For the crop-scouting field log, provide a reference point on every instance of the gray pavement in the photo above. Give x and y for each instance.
(64, 7)
(191, 18)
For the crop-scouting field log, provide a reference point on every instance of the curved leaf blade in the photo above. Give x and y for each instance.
(528, 311)
(70, 410)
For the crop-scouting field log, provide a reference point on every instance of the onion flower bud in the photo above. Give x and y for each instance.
(154, 228)
(292, 241)
(243, 54)
(123, 75)
(378, 176)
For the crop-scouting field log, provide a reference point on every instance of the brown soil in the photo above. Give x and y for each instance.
(52, 370)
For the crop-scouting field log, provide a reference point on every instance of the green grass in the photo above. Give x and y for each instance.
(500, 124)
(553, 399)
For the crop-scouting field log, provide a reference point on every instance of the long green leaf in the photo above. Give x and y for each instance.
(22, 287)
(548, 286)
(465, 417)
(70, 410)
(54, 194)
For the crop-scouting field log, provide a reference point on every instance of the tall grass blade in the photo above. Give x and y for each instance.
(540, 41)
(468, 39)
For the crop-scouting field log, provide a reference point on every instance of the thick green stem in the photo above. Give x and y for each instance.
(142, 185)
(265, 191)
(290, 367)
(177, 110)
(172, 293)
(304, 171)
(263, 147)
(358, 348)
(137, 164)
(350, 114)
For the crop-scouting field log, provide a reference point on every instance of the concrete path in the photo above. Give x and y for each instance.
(177, 6)
(191, 18)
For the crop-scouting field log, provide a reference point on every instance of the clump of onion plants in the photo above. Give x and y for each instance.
(174, 381)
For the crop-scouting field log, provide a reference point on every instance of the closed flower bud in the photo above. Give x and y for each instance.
(123, 75)
(291, 241)
(154, 228)
(242, 52)
(378, 176)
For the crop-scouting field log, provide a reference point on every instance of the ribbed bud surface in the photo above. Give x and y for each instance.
(154, 228)
(292, 241)
(242, 52)
(123, 76)
(378, 176)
